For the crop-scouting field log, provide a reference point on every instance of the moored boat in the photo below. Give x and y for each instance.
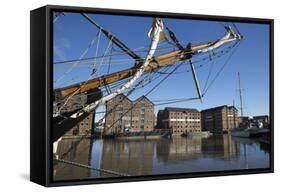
(249, 132)
(258, 131)
(240, 133)
(201, 133)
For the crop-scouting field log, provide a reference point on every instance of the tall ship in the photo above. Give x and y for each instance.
(162, 57)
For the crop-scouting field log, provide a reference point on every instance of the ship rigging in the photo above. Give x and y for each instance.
(100, 88)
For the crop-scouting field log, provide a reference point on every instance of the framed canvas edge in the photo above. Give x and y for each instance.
(49, 181)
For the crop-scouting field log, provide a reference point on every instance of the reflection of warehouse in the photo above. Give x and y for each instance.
(219, 119)
(72, 150)
(179, 149)
(179, 120)
(124, 115)
(130, 157)
(221, 146)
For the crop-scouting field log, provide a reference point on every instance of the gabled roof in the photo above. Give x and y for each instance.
(137, 100)
(261, 116)
(176, 109)
(122, 95)
(229, 107)
(143, 98)
(219, 107)
(214, 108)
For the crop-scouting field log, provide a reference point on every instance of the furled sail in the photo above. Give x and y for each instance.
(228, 37)
(65, 118)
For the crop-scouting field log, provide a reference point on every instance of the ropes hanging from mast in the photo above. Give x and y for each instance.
(202, 59)
(154, 34)
(79, 60)
(221, 69)
(111, 55)
(149, 92)
(92, 74)
(136, 74)
(115, 40)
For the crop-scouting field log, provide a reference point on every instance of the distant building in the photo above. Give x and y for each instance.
(118, 115)
(179, 120)
(219, 119)
(142, 115)
(85, 126)
(124, 115)
(264, 119)
(243, 121)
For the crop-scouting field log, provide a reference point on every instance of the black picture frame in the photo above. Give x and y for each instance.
(41, 94)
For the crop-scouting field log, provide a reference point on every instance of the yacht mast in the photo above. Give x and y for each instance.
(240, 95)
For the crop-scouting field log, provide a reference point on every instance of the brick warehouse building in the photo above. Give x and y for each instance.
(85, 126)
(219, 119)
(179, 120)
(124, 115)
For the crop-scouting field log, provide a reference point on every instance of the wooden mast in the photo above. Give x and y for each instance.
(157, 62)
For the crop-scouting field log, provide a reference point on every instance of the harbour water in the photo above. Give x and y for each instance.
(158, 156)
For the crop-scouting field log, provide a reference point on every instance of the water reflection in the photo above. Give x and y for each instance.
(179, 149)
(76, 150)
(159, 156)
(132, 157)
(221, 146)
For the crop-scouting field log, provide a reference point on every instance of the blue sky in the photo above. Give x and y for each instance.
(72, 34)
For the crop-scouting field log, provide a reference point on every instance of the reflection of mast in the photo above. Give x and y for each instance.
(234, 115)
(245, 155)
(240, 94)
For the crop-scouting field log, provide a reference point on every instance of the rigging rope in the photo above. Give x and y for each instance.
(101, 62)
(150, 91)
(97, 48)
(122, 61)
(209, 74)
(90, 167)
(221, 69)
(141, 83)
(101, 56)
(76, 63)
(70, 96)
(187, 99)
(217, 44)
(114, 39)
(155, 35)
(236, 28)
(129, 92)
(217, 55)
